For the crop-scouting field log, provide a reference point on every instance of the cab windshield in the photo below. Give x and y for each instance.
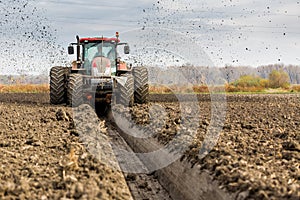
(104, 49)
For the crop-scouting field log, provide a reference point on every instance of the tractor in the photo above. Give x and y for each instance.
(98, 76)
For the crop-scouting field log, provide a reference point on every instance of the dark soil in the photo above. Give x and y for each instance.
(42, 156)
(258, 151)
(256, 155)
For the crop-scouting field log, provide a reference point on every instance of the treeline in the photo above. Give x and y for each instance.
(277, 79)
(185, 74)
(215, 75)
(23, 79)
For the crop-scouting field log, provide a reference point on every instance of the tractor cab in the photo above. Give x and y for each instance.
(99, 57)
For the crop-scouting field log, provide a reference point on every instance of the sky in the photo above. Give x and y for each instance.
(226, 32)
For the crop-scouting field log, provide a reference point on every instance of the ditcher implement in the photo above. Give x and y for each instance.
(98, 76)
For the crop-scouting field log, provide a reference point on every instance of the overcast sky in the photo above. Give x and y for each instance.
(230, 32)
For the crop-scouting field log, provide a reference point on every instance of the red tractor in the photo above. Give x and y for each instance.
(98, 76)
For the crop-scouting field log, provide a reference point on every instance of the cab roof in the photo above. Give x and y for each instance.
(95, 39)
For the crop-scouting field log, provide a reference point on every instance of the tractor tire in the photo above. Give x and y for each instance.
(57, 85)
(75, 92)
(126, 92)
(141, 86)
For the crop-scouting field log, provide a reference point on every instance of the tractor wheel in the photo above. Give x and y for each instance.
(126, 91)
(57, 85)
(75, 95)
(141, 86)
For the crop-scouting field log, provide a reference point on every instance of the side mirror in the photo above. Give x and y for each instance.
(70, 50)
(126, 49)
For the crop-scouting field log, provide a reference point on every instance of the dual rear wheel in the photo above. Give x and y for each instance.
(65, 87)
(136, 88)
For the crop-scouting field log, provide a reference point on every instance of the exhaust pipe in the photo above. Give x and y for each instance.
(78, 52)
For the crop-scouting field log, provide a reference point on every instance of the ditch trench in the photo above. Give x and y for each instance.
(142, 186)
(177, 181)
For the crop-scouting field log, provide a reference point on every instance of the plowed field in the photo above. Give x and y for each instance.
(257, 153)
